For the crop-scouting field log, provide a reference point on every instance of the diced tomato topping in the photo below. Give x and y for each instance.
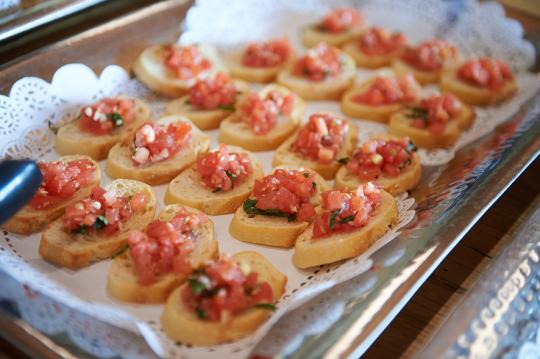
(224, 288)
(321, 138)
(267, 54)
(434, 113)
(340, 20)
(222, 170)
(385, 90)
(262, 113)
(164, 246)
(430, 55)
(377, 41)
(187, 62)
(288, 191)
(346, 211)
(155, 142)
(319, 63)
(61, 181)
(105, 115)
(485, 72)
(213, 92)
(103, 212)
(381, 157)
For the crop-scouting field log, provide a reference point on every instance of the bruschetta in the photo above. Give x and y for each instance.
(98, 226)
(375, 47)
(65, 181)
(263, 120)
(427, 61)
(323, 73)
(280, 207)
(226, 300)
(350, 222)
(377, 98)
(390, 162)
(481, 82)
(318, 145)
(337, 27)
(162, 257)
(435, 122)
(218, 183)
(209, 100)
(100, 125)
(260, 62)
(158, 151)
(171, 69)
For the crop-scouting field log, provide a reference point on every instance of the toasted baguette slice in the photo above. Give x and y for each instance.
(309, 252)
(122, 282)
(311, 35)
(120, 165)
(76, 251)
(424, 77)
(399, 125)
(151, 70)
(204, 119)
(187, 189)
(367, 61)
(406, 180)
(29, 220)
(284, 156)
(474, 95)
(272, 231)
(329, 89)
(234, 131)
(374, 113)
(182, 324)
(70, 140)
(262, 75)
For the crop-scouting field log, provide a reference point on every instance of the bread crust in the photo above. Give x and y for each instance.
(72, 141)
(186, 188)
(374, 113)
(284, 156)
(474, 95)
(367, 61)
(120, 165)
(234, 131)
(181, 324)
(399, 125)
(29, 220)
(150, 70)
(309, 252)
(311, 36)
(122, 281)
(328, 89)
(76, 251)
(272, 231)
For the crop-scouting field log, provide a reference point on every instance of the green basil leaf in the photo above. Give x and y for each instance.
(333, 218)
(116, 119)
(230, 108)
(197, 287)
(100, 222)
(201, 313)
(346, 219)
(216, 190)
(344, 160)
(267, 306)
(252, 210)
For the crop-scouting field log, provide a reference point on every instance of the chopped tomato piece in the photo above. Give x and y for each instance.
(103, 212)
(434, 112)
(164, 246)
(213, 92)
(267, 54)
(262, 114)
(321, 138)
(341, 20)
(155, 142)
(187, 62)
(107, 114)
(61, 181)
(377, 41)
(381, 157)
(346, 211)
(225, 286)
(386, 90)
(222, 170)
(319, 63)
(485, 72)
(430, 55)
